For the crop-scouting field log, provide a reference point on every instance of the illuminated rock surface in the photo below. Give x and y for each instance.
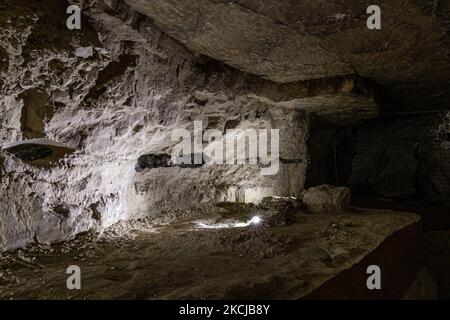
(115, 91)
(134, 260)
(87, 118)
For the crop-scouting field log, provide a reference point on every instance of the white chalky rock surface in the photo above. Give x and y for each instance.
(326, 198)
(113, 99)
(117, 90)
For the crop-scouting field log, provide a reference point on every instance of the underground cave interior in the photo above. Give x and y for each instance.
(87, 179)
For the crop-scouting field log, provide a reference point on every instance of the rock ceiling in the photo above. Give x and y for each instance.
(290, 40)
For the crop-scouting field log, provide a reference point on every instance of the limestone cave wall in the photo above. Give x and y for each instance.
(114, 91)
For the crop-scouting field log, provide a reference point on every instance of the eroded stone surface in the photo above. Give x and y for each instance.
(116, 90)
(297, 40)
(138, 260)
(326, 198)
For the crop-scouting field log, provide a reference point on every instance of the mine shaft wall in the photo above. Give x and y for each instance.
(115, 91)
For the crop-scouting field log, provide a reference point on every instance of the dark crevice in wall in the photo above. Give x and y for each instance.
(153, 161)
(331, 150)
(52, 33)
(112, 71)
(35, 111)
(4, 56)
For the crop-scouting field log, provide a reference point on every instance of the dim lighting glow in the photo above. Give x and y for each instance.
(255, 220)
(202, 225)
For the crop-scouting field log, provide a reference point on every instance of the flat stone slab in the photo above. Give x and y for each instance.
(310, 258)
(39, 152)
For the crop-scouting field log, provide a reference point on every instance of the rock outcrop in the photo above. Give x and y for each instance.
(326, 199)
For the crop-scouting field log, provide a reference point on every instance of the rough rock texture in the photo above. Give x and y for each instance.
(297, 40)
(115, 91)
(135, 260)
(326, 198)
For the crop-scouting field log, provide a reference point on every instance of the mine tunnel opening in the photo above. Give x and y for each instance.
(388, 163)
(331, 149)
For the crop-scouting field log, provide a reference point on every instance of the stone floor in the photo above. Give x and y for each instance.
(136, 260)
